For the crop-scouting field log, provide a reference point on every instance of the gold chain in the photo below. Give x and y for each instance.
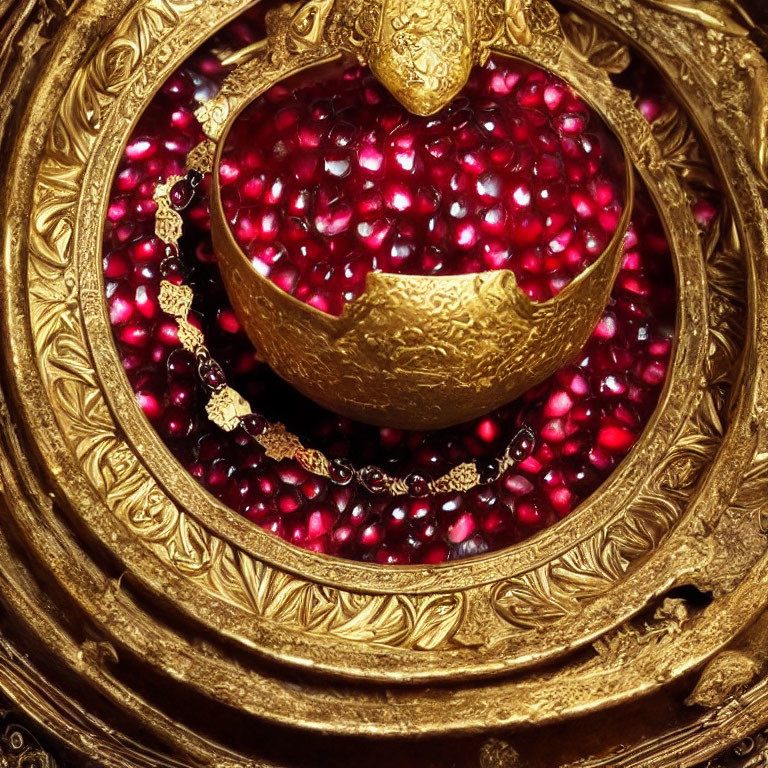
(228, 409)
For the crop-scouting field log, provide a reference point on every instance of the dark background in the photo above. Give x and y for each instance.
(758, 9)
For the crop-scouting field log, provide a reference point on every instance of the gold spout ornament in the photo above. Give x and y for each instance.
(422, 51)
(413, 351)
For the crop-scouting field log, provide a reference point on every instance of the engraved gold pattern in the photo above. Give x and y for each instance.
(75, 412)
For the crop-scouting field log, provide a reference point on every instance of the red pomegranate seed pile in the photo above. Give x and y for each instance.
(327, 182)
(586, 417)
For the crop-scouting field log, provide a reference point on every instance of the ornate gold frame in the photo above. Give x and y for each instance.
(111, 529)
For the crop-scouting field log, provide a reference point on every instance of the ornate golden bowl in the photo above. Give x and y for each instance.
(412, 351)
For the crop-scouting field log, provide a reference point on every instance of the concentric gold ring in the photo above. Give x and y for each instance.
(699, 471)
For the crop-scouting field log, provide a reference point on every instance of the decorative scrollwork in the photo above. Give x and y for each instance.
(710, 13)
(749, 752)
(590, 42)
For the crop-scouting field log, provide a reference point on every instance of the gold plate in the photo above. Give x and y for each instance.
(632, 633)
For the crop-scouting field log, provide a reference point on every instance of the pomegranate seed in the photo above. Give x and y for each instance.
(461, 529)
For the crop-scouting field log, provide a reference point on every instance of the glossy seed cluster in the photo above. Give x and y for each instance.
(327, 182)
(585, 418)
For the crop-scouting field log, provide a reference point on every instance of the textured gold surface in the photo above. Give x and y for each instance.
(508, 599)
(122, 575)
(412, 351)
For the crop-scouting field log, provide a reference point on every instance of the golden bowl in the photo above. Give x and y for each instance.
(413, 352)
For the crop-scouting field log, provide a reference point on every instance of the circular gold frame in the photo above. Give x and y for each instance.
(667, 517)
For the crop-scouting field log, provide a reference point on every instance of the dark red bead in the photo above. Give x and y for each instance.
(254, 424)
(522, 445)
(373, 479)
(340, 471)
(488, 469)
(181, 194)
(418, 485)
(212, 374)
(170, 267)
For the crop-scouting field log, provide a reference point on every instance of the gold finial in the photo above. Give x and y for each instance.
(422, 51)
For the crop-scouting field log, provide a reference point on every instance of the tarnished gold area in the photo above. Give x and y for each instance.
(144, 622)
(412, 351)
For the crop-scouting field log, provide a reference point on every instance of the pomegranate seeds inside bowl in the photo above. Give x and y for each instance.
(323, 183)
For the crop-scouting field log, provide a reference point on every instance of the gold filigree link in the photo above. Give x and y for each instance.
(200, 159)
(459, 478)
(175, 300)
(228, 409)
(279, 444)
(313, 461)
(168, 222)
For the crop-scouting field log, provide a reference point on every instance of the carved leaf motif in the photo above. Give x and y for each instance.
(591, 44)
(528, 602)
(681, 149)
(422, 623)
(557, 589)
(727, 291)
(754, 65)
(516, 22)
(752, 497)
(436, 620)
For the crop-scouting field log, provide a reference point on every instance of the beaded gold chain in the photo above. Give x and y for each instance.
(229, 410)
